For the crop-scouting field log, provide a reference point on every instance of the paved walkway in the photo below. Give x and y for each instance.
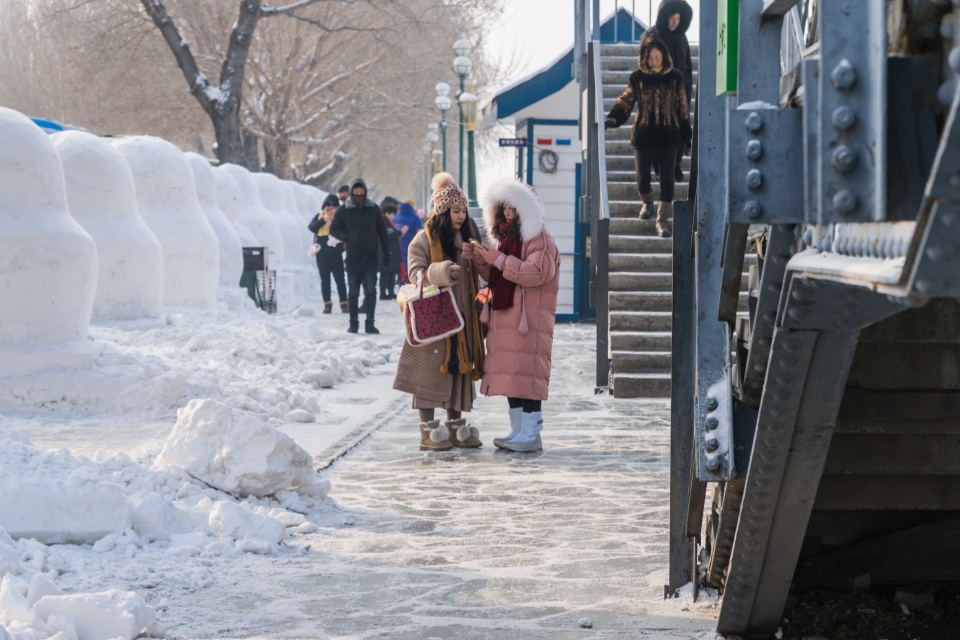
(489, 544)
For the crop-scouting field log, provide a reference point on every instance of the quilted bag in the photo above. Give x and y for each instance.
(431, 315)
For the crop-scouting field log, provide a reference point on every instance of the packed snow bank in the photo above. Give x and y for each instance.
(48, 263)
(237, 453)
(255, 217)
(229, 201)
(102, 199)
(168, 203)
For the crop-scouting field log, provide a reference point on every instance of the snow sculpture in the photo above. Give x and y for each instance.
(298, 210)
(168, 203)
(274, 195)
(303, 203)
(102, 199)
(231, 250)
(228, 199)
(48, 263)
(255, 217)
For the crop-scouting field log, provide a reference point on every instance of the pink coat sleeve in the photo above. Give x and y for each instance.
(539, 267)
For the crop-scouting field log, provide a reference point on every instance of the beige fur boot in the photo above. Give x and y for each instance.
(434, 436)
(462, 435)
(665, 219)
(646, 211)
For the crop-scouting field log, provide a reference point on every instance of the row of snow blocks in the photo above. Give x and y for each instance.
(229, 200)
(48, 263)
(231, 249)
(254, 216)
(168, 204)
(102, 199)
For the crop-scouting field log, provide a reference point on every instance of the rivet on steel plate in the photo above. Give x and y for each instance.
(844, 76)
(712, 444)
(752, 209)
(845, 202)
(713, 464)
(712, 403)
(712, 423)
(754, 122)
(844, 118)
(754, 150)
(844, 159)
(754, 179)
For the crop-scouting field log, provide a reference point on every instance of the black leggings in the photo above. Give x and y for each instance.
(330, 263)
(667, 158)
(529, 406)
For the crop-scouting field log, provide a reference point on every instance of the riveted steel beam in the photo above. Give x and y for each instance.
(852, 92)
(778, 7)
(713, 384)
(789, 360)
(761, 336)
(731, 275)
(765, 161)
(728, 512)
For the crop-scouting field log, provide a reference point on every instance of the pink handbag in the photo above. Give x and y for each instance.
(431, 316)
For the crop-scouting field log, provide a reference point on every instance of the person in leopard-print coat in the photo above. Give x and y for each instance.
(661, 128)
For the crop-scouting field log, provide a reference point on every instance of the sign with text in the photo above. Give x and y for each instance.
(513, 142)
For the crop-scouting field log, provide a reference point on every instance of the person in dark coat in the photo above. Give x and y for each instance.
(673, 20)
(408, 222)
(390, 269)
(360, 225)
(329, 259)
(661, 128)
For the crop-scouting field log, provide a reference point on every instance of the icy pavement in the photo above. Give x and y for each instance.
(466, 544)
(483, 543)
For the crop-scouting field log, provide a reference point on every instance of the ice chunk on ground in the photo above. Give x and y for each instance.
(236, 452)
(237, 522)
(156, 519)
(14, 607)
(101, 616)
(53, 497)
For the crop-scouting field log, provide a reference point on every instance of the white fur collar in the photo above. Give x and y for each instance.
(522, 198)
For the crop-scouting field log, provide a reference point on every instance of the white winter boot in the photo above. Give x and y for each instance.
(514, 427)
(531, 424)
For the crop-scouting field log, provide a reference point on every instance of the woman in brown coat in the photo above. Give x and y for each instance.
(441, 375)
(662, 126)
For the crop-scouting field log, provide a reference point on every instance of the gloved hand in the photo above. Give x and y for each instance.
(488, 255)
(610, 123)
(454, 272)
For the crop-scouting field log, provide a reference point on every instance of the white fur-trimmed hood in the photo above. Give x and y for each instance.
(522, 198)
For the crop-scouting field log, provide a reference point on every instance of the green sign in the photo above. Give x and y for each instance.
(728, 20)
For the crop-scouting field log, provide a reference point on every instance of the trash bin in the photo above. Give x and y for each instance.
(259, 281)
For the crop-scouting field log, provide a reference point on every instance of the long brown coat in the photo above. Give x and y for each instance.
(418, 370)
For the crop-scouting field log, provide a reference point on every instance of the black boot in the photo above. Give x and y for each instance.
(369, 328)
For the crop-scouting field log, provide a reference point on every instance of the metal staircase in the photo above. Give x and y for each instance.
(640, 277)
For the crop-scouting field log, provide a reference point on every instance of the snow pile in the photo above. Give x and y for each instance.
(228, 199)
(48, 263)
(168, 203)
(102, 199)
(238, 454)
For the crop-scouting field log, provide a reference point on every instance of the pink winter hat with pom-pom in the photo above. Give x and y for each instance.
(446, 193)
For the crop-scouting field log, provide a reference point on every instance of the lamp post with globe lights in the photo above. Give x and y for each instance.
(462, 66)
(443, 103)
(468, 108)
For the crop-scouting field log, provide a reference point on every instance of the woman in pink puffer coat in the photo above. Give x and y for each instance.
(524, 276)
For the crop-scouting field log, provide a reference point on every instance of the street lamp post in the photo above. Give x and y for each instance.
(462, 66)
(443, 103)
(468, 107)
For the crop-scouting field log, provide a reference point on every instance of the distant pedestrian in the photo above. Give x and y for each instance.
(329, 259)
(442, 375)
(524, 275)
(409, 223)
(360, 225)
(343, 193)
(391, 267)
(673, 20)
(662, 126)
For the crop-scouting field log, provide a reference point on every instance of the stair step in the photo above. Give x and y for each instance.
(640, 341)
(631, 208)
(641, 385)
(641, 262)
(640, 361)
(609, 102)
(640, 244)
(621, 48)
(640, 281)
(620, 76)
(634, 226)
(612, 88)
(640, 301)
(641, 321)
(628, 191)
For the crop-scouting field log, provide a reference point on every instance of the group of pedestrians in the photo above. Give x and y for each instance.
(508, 347)
(660, 90)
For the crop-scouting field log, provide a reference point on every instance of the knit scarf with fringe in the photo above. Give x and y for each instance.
(465, 364)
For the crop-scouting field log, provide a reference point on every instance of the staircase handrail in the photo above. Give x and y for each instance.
(597, 125)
